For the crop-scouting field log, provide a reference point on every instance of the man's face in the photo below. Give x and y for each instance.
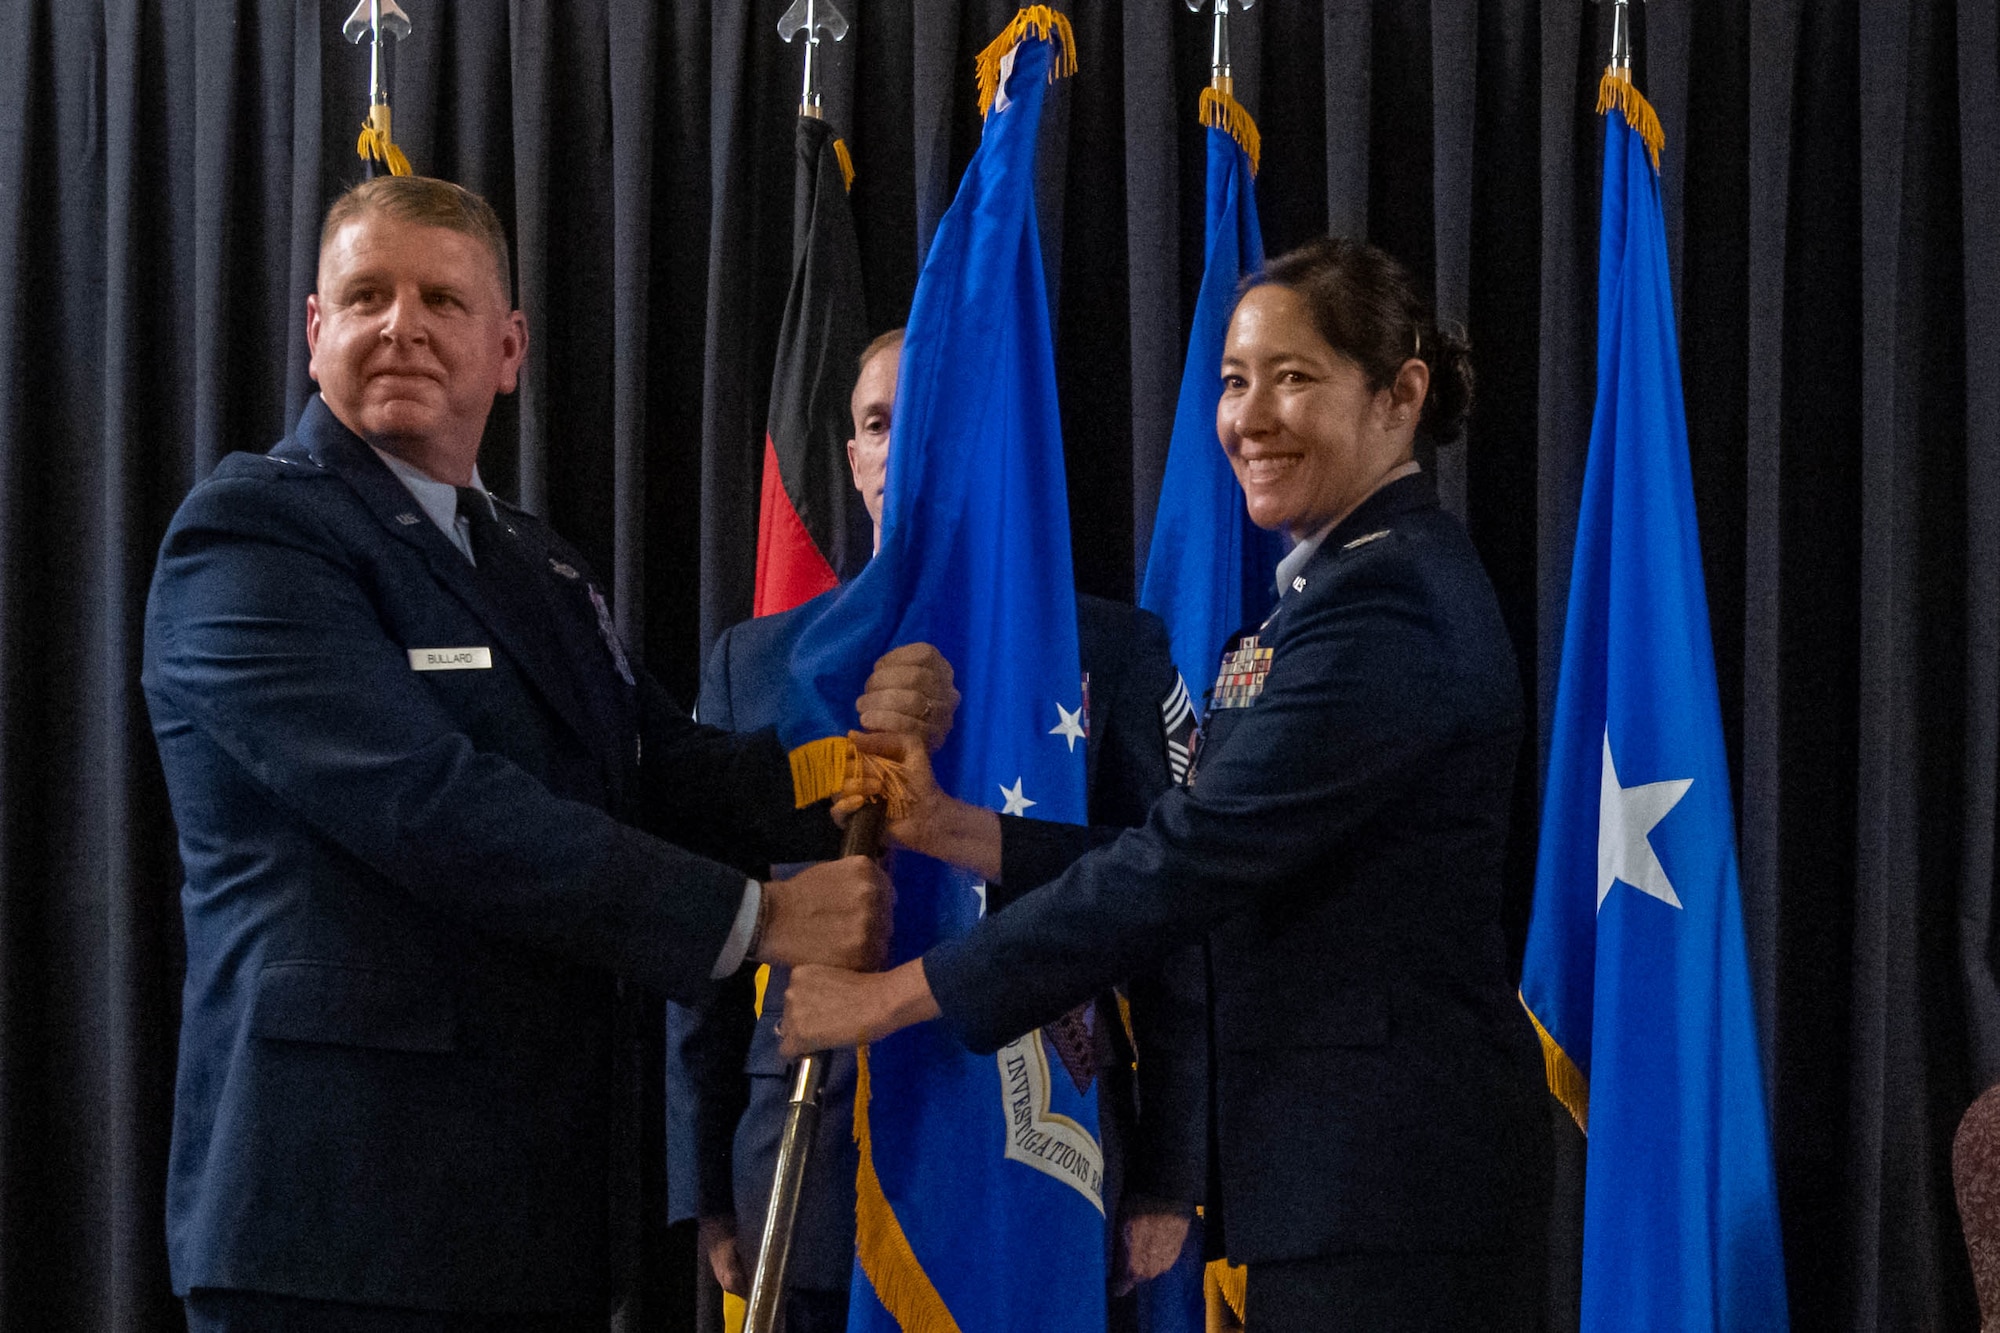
(868, 452)
(411, 338)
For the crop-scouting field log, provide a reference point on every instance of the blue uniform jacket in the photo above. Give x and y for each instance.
(409, 894)
(1377, 1085)
(723, 1127)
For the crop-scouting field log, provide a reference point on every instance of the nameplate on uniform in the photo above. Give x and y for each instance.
(451, 659)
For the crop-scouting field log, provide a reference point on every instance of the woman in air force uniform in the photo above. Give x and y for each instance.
(1379, 1120)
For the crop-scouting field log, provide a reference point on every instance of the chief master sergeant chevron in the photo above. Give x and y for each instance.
(430, 817)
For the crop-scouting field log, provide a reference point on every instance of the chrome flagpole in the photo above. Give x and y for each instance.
(812, 17)
(864, 837)
(1220, 76)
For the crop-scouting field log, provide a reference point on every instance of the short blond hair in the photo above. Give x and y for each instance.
(427, 202)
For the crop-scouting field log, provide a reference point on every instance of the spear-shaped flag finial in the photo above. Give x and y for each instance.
(1219, 108)
(379, 20)
(1616, 88)
(1220, 76)
(812, 17)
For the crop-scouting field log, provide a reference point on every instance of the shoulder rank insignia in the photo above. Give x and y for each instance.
(1363, 541)
(1241, 678)
(567, 571)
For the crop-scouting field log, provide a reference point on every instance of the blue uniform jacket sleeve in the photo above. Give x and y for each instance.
(262, 636)
(707, 1043)
(1359, 699)
(723, 794)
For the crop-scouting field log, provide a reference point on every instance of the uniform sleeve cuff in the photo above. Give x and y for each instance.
(737, 945)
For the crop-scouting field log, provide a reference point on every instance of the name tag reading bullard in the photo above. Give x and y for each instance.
(451, 659)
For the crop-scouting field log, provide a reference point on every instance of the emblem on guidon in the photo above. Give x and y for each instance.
(1037, 1137)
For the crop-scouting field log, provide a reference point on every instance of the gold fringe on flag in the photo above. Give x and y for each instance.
(819, 769)
(1040, 21)
(900, 1283)
(822, 769)
(846, 162)
(375, 142)
(1566, 1081)
(1616, 89)
(1222, 1283)
(1219, 111)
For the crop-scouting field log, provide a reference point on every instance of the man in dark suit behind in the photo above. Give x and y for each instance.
(432, 821)
(727, 1091)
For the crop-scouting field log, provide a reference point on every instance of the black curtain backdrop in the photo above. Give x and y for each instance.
(1832, 182)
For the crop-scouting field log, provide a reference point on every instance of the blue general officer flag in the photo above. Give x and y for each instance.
(1636, 968)
(980, 1194)
(1209, 570)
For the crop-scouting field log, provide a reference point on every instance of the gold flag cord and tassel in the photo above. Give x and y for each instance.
(822, 769)
(1039, 21)
(846, 161)
(376, 144)
(1220, 111)
(1616, 89)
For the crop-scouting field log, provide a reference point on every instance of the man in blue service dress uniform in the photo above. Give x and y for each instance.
(727, 1090)
(432, 820)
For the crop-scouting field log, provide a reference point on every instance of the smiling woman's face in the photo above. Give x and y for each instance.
(1306, 436)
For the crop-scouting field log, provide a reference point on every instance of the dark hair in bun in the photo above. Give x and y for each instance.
(1366, 306)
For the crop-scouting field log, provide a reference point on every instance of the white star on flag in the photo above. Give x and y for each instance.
(1017, 804)
(1070, 727)
(1625, 818)
(979, 887)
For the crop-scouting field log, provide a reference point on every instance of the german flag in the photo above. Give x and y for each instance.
(811, 527)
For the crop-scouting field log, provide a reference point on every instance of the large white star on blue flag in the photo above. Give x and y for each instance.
(1625, 818)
